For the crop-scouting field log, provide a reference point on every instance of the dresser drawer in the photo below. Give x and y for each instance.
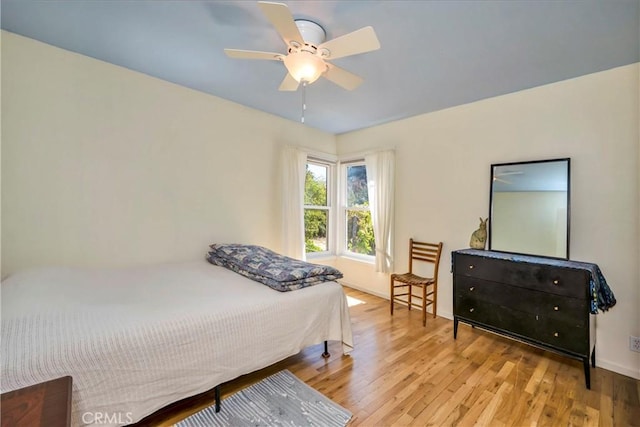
(539, 277)
(555, 333)
(572, 310)
(495, 317)
(562, 335)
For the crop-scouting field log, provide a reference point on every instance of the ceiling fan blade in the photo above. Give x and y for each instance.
(289, 83)
(359, 41)
(342, 77)
(280, 17)
(252, 54)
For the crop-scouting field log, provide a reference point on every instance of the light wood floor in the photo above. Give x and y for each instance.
(401, 373)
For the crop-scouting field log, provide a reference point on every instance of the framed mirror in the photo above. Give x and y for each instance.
(530, 208)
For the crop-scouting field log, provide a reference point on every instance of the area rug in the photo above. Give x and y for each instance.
(279, 400)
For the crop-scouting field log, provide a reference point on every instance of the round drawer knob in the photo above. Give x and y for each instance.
(555, 334)
(471, 267)
(556, 308)
(472, 288)
(555, 282)
(471, 310)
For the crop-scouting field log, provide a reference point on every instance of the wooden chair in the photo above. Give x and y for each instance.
(418, 251)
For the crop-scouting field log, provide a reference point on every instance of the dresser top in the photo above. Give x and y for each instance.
(532, 259)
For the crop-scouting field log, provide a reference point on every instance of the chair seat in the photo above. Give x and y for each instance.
(412, 279)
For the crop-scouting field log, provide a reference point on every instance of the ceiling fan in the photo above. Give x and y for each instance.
(308, 55)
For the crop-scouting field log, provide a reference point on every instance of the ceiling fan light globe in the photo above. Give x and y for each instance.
(304, 66)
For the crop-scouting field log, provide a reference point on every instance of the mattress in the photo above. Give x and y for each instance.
(135, 340)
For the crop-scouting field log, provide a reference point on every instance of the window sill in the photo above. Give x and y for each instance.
(364, 260)
(320, 257)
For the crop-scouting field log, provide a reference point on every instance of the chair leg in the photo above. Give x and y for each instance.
(391, 293)
(435, 299)
(424, 306)
(409, 296)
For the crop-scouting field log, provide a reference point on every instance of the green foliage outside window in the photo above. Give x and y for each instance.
(315, 229)
(360, 238)
(315, 220)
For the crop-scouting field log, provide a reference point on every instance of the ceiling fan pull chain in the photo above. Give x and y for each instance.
(304, 104)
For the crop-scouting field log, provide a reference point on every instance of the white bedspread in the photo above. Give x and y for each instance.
(135, 340)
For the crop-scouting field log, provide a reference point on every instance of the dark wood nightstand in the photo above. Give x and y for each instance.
(45, 404)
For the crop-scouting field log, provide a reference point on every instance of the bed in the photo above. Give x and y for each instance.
(137, 339)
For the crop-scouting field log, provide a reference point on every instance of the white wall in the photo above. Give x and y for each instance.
(103, 166)
(443, 175)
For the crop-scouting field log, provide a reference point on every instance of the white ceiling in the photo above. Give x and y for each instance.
(434, 54)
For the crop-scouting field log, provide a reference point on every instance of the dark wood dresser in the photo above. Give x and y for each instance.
(536, 300)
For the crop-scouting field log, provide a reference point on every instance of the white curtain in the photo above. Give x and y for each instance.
(381, 183)
(294, 166)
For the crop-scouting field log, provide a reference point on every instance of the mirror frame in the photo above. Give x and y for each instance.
(491, 177)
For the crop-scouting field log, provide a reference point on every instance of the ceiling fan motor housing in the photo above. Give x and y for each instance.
(312, 33)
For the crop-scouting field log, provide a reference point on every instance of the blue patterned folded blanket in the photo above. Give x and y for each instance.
(265, 266)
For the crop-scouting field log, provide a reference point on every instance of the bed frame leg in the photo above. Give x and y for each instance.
(326, 354)
(216, 393)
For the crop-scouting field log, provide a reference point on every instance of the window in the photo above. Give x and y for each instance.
(317, 209)
(357, 216)
(351, 223)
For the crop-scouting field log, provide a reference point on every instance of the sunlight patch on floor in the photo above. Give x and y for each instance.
(351, 301)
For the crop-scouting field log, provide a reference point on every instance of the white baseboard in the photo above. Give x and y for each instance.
(367, 291)
(445, 314)
(614, 367)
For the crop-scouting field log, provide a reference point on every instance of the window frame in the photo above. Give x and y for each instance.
(331, 220)
(343, 249)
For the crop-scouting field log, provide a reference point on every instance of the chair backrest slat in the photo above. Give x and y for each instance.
(424, 251)
(426, 259)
